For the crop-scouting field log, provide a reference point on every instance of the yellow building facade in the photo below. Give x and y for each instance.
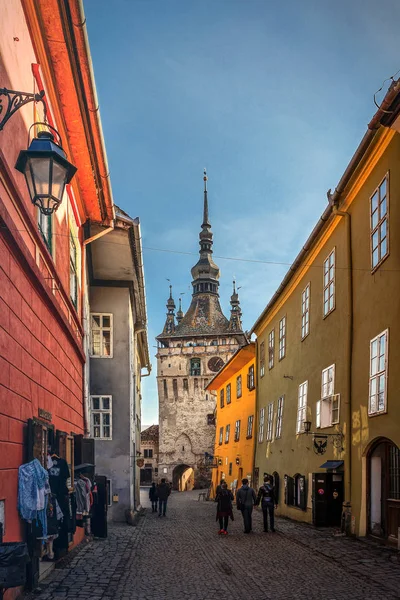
(328, 346)
(234, 385)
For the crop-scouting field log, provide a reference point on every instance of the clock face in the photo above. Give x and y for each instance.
(215, 364)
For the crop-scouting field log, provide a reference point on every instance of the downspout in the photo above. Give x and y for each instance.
(346, 515)
(84, 280)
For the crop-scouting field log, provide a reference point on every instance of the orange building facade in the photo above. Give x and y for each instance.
(234, 385)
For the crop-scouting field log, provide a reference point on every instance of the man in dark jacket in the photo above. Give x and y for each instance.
(163, 491)
(245, 500)
(267, 496)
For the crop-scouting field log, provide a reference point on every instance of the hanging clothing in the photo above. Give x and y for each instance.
(82, 502)
(32, 479)
(58, 475)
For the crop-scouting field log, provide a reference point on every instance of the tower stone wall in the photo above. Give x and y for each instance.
(191, 349)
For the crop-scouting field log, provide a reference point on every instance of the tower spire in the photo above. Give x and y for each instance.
(206, 222)
(235, 321)
(169, 326)
(179, 314)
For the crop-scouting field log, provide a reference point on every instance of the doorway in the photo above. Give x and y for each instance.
(384, 490)
(327, 499)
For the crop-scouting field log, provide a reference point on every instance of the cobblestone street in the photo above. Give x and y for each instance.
(182, 556)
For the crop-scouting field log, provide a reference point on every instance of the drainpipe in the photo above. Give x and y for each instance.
(86, 345)
(346, 515)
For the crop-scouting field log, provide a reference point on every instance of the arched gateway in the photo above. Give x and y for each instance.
(183, 478)
(383, 489)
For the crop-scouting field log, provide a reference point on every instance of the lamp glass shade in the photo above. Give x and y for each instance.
(307, 426)
(46, 171)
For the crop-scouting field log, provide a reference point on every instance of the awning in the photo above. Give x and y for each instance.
(332, 464)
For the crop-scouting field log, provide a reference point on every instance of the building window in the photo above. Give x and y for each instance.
(271, 348)
(227, 433)
(221, 435)
(185, 385)
(175, 388)
(101, 335)
(196, 383)
(165, 389)
(295, 491)
(250, 420)
(305, 312)
(329, 283)
(282, 338)
(250, 378)
(301, 407)
(237, 430)
(148, 453)
(221, 398)
(328, 408)
(101, 417)
(195, 366)
(73, 271)
(238, 386)
(379, 224)
(262, 359)
(228, 393)
(261, 425)
(45, 226)
(279, 418)
(378, 374)
(230, 469)
(270, 420)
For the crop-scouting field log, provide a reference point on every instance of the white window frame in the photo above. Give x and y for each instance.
(301, 407)
(227, 433)
(376, 224)
(328, 382)
(261, 425)
(237, 430)
(318, 414)
(329, 283)
(73, 271)
(239, 390)
(262, 359)
(270, 421)
(100, 411)
(101, 329)
(228, 393)
(221, 436)
(378, 372)
(305, 311)
(279, 417)
(271, 349)
(282, 338)
(250, 422)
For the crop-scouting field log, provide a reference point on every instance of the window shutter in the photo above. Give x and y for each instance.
(303, 493)
(289, 490)
(276, 485)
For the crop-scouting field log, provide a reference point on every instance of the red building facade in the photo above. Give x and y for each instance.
(42, 261)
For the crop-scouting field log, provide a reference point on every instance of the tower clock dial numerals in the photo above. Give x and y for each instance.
(215, 364)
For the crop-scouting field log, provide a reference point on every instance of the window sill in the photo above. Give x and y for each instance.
(249, 437)
(378, 413)
(305, 337)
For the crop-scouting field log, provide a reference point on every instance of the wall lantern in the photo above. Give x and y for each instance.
(307, 427)
(44, 164)
(237, 460)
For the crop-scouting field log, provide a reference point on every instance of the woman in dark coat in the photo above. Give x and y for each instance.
(224, 500)
(153, 497)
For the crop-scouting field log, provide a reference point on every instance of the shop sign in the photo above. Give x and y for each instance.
(45, 414)
(321, 492)
(140, 462)
(335, 495)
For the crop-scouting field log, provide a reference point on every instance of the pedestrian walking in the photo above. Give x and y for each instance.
(266, 495)
(245, 500)
(153, 497)
(163, 491)
(218, 489)
(224, 500)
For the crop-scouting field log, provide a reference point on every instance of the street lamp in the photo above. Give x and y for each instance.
(307, 427)
(44, 163)
(46, 171)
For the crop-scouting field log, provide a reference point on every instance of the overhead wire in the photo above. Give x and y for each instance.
(219, 257)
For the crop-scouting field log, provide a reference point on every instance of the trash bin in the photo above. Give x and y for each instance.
(14, 557)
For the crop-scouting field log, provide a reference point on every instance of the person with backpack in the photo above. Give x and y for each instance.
(266, 495)
(245, 500)
(224, 508)
(153, 497)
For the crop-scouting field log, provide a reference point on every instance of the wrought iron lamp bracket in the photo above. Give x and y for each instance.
(14, 101)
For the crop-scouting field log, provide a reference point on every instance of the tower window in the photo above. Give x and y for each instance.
(195, 366)
(165, 389)
(185, 385)
(175, 387)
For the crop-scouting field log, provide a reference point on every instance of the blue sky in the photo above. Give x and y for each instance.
(271, 97)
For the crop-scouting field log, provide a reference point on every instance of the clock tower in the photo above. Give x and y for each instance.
(192, 348)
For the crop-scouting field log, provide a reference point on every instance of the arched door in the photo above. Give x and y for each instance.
(384, 490)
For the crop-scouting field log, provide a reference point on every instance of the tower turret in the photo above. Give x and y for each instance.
(235, 321)
(180, 314)
(169, 326)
